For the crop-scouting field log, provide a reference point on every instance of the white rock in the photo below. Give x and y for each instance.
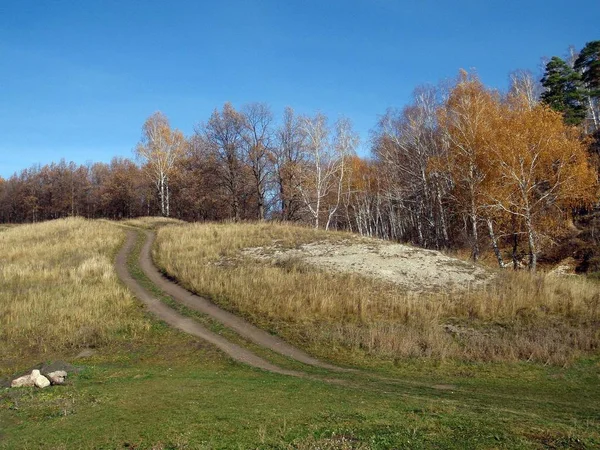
(24, 381)
(39, 380)
(565, 268)
(57, 377)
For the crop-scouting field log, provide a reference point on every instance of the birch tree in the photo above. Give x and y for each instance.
(406, 142)
(317, 176)
(524, 85)
(344, 144)
(541, 171)
(465, 119)
(322, 175)
(362, 197)
(159, 150)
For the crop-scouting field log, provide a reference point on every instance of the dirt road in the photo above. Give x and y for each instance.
(236, 323)
(242, 327)
(179, 321)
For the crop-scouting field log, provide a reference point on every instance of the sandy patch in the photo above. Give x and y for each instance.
(413, 268)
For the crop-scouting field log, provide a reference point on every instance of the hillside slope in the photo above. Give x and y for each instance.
(276, 276)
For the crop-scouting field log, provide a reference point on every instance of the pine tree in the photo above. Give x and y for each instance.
(564, 91)
(587, 65)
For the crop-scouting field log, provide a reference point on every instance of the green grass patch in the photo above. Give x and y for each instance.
(176, 394)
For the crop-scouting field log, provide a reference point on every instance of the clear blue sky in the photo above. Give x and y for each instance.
(78, 78)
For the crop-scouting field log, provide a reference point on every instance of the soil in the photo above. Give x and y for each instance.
(412, 268)
(238, 324)
(204, 306)
(179, 321)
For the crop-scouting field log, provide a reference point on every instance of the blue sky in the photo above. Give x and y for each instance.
(78, 78)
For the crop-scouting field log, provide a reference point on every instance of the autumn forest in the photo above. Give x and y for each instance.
(463, 166)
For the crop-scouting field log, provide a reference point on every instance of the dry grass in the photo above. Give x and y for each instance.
(58, 288)
(151, 223)
(520, 317)
(6, 226)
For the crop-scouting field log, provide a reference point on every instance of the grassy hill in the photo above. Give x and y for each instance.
(148, 386)
(515, 317)
(58, 289)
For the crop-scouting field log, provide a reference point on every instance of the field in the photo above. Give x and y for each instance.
(149, 386)
(59, 291)
(518, 317)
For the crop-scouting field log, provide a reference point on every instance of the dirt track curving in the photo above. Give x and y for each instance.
(179, 321)
(242, 327)
(239, 325)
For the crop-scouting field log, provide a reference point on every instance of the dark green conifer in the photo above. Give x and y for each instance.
(564, 91)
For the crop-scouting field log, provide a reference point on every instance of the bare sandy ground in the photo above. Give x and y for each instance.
(412, 268)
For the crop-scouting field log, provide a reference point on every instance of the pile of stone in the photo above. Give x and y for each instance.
(54, 374)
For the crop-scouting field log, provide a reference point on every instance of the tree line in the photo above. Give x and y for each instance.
(461, 165)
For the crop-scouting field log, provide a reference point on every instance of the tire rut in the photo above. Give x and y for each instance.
(242, 327)
(183, 323)
(236, 323)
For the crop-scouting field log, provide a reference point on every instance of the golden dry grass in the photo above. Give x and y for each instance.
(6, 226)
(151, 223)
(519, 317)
(59, 289)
